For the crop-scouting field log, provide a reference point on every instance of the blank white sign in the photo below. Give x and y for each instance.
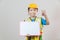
(31, 28)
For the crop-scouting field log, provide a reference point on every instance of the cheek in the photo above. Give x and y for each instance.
(30, 12)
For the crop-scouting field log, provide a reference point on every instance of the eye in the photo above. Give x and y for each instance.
(30, 10)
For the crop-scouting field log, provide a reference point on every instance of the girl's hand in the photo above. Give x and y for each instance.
(43, 12)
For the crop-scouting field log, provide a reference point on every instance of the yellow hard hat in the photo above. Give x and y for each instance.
(33, 5)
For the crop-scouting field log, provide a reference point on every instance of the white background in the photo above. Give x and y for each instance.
(13, 11)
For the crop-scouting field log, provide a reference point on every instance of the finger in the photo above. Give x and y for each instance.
(43, 11)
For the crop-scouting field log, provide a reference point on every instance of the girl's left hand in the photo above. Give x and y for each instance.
(43, 12)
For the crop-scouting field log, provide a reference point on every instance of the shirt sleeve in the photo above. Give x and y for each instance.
(43, 21)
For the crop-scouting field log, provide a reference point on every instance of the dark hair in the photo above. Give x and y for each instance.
(34, 8)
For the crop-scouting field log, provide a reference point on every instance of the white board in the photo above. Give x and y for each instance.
(29, 28)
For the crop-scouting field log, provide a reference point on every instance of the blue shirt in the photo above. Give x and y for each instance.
(43, 21)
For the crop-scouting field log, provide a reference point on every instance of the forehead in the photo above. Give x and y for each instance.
(33, 8)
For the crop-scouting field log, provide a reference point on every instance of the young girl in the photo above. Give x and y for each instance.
(32, 11)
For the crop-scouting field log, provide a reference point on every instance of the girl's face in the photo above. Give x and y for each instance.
(32, 12)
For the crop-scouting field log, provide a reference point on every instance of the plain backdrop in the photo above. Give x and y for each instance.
(14, 11)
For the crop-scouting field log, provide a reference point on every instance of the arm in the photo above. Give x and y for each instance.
(46, 18)
(47, 21)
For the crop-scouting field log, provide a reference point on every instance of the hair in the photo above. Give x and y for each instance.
(34, 8)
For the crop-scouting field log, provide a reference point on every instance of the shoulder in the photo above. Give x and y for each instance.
(38, 18)
(26, 19)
